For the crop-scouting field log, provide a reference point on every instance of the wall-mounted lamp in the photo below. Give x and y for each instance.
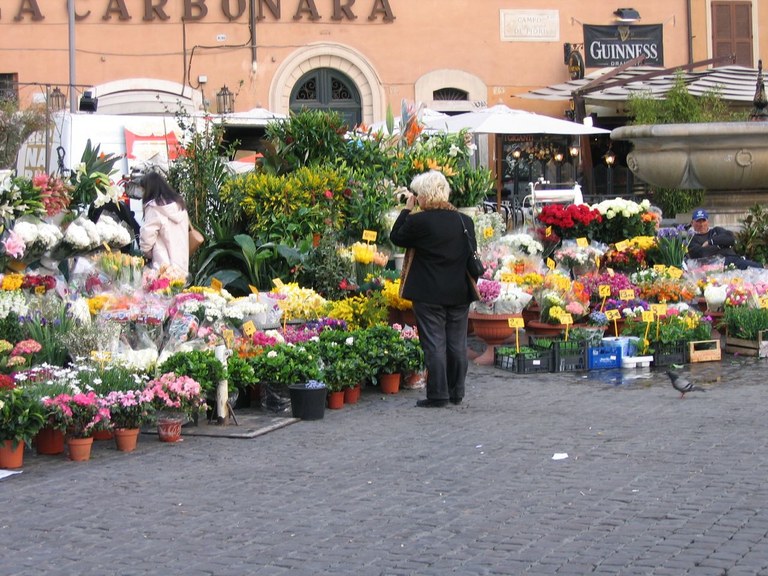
(627, 15)
(88, 102)
(225, 100)
(610, 157)
(57, 100)
(573, 150)
(558, 157)
(516, 153)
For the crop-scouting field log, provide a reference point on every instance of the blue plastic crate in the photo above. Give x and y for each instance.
(604, 357)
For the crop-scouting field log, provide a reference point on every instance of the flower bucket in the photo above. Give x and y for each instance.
(80, 449)
(11, 457)
(307, 403)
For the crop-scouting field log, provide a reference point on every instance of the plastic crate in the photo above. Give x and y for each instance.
(519, 364)
(670, 353)
(604, 357)
(568, 356)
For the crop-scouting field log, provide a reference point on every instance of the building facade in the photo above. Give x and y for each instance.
(356, 56)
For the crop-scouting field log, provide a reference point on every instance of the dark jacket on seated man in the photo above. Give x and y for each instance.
(715, 241)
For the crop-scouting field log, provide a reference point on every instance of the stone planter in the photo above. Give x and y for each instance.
(714, 156)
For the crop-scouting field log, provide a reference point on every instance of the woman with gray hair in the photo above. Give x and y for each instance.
(436, 280)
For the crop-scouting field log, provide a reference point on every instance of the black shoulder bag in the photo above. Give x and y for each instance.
(474, 264)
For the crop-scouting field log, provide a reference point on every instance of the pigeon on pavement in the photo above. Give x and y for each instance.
(682, 384)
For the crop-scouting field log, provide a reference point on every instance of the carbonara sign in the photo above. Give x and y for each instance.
(614, 45)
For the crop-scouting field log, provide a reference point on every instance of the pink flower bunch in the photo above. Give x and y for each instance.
(407, 332)
(616, 281)
(262, 339)
(489, 290)
(81, 414)
(738, 295)
(53, 193)
(129, 409)
(176, 393)
(13, 244)
(26, 348)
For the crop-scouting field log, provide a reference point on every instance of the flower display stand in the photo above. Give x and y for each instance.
(494, 330)
(704, 351)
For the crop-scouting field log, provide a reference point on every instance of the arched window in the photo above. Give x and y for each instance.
(450, 94)
(327, 89)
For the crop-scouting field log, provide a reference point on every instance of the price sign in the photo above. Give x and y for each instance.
(370, 235)
(582, 242)
(229, 337)
(604, 291)
(613, 314)
(597, 262)
(254, 290)
(548, 231)
(649, 316)
(659, 309)
(39, 290)
(249, 328)
(516, 323)
(660, 268)
(764, 302)
(277, 282)
(216, 284)
(627, 294)
(675, 272)
(550, 264)
(566, 319)
(621, 246)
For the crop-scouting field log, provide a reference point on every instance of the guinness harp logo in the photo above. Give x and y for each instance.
(624, 33)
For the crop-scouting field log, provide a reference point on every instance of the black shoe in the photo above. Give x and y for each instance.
(456, 401)
(428, 403)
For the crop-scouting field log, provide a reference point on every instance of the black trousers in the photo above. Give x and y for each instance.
(443, 337)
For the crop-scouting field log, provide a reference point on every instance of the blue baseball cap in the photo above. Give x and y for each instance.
(700, 214)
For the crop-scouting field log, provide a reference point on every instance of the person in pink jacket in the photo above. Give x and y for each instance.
(164, 239)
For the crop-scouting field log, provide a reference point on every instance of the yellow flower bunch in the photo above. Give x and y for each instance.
(643, 242)
(96, 303)
(299, 302)
(557, 281)
(391, 292)
(364, 253)
(359, 311)
(12, 281)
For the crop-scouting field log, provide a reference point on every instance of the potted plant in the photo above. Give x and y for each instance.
(277, 367)
(128, 411)
(343, 363)
(83, 414)
(174, 397)
(21, 417)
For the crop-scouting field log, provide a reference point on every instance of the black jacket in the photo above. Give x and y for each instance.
(720, 241)
(438, 272)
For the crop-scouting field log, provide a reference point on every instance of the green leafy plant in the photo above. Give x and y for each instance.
(16, 125)
(21, 415)
(92, 175)
(470, 186)
(200, 365)
(752, 237)
(744, 322)
(286, 364)
(325, 268)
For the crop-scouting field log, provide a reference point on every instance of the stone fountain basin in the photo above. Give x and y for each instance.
(713, 156)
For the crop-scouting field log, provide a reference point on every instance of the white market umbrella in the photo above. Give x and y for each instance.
(501, 119)
(431, 119)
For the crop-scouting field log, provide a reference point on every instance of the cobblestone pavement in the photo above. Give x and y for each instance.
(652, 485)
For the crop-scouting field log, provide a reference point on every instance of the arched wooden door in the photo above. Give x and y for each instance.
(328, 89)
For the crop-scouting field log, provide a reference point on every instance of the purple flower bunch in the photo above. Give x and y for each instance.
(489, 290)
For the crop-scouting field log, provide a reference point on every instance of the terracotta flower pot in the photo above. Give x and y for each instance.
(336, 400)
(80, 449)
(169, 428)
(390, 383)
(494, 330)
(126, 439)
(49, 441)
(352, 395)
(11, 457)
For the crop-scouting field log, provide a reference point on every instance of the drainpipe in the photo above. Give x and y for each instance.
(688, 19)
(252, 25)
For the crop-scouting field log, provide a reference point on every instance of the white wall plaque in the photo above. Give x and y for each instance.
(529, 25)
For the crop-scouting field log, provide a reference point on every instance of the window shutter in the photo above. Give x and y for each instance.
(732, 31)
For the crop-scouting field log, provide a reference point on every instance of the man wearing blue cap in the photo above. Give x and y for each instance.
(716, 241)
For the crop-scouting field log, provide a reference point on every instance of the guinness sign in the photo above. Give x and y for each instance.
(614, 45)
